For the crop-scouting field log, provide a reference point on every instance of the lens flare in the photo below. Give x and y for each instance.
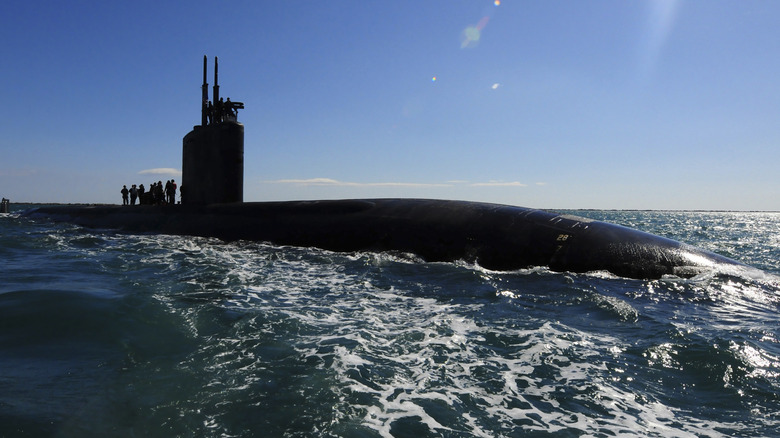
(470, 36)
(662, 17)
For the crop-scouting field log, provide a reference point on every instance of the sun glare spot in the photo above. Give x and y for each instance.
(661, 18)
(497, 2)
(470, 36)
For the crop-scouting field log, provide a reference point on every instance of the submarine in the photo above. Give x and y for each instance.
(492, 236)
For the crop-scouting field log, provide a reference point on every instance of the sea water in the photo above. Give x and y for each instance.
(110, 334)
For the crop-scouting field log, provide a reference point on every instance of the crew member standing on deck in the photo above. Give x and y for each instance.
(124, 195)
(173, 192)
(133, 194)
(158, 193)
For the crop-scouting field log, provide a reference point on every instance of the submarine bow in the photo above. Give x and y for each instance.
(496, 237)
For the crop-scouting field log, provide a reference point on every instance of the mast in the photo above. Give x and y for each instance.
(216, 86)
(204, 107)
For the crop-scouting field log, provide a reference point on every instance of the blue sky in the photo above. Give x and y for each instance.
(641, 104)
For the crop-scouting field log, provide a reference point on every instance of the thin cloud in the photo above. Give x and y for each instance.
(337, 183)
(161, 171)
(329, 182)
(500, 184)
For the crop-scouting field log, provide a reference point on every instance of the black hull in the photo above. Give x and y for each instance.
(497, 237)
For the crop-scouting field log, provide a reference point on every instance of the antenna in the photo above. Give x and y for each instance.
(204, 106)
(216, 87)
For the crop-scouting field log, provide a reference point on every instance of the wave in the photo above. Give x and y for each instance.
(131, 334)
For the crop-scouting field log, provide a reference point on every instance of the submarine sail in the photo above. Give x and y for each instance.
(213, 152)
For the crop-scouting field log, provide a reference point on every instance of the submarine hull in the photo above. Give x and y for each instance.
(496, 237)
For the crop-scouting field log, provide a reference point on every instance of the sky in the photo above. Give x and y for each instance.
(576, 104)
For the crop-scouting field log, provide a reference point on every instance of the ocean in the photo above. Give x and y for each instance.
(109, 334)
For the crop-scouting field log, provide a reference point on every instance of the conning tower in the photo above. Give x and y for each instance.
(213, 152)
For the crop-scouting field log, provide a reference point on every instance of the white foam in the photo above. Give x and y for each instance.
(390, 352)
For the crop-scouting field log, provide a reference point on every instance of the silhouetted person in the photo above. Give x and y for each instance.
(172, 197)
(133, 194)
(229, 109)
(124, 195)
(158, 193)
